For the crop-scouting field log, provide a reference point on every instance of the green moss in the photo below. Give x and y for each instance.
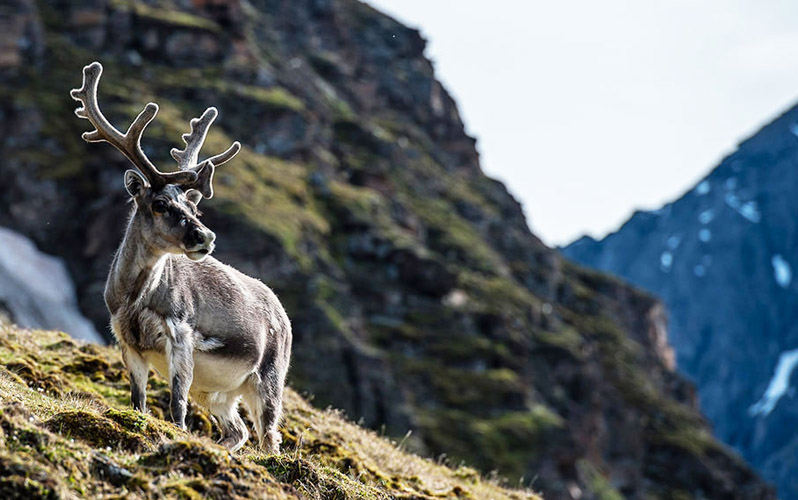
(363, 206)
(136, 422)
(211, 78)
(27, 370)
(507, 442)
(274, 97)
(341, 110)
(385, 331)
(497, 295)
(687, 437)
(130, 420)
(453, 237)
(463, 388)
(457, 240)
(170, 16)
(502, 435)
(451, 186)
(678, 495)
(471, 348)
(116, 393)
(20, 434)
(272, 196)
(315, 481)
(599, 485)
(188, 456)
(95, 429)
(95, 367)
(667, 421)
(567, 340)
(358, 207)
(183, 491)
(19, 488)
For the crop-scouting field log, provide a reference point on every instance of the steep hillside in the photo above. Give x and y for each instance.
(722, 257)
(419, 298)
(67, 431)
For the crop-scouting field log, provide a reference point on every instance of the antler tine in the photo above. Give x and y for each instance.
(128, 143)
(187, 158)
(228, 155)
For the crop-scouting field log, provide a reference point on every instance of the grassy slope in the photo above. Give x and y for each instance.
(67, 432)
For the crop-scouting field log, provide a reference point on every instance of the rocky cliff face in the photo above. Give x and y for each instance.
(722, 258)
(419, 297)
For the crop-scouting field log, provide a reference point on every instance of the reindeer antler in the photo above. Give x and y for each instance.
(128, 143)
(187, 158)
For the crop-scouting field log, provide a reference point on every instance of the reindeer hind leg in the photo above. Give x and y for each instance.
(263, 399)
(224, 407)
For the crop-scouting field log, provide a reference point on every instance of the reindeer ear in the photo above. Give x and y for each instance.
(204, 182)
(135, 183)
(194, 196)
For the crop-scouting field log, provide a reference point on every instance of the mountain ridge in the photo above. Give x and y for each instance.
(721, 256)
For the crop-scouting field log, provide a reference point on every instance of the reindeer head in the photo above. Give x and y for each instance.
(166, 202)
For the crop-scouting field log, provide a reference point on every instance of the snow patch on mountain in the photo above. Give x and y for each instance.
(778, 384)
(666, 261)
(782, 271)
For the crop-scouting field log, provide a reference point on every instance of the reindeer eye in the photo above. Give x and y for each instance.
(159, 206)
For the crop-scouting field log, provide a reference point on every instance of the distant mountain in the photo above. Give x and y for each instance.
(418, 297)
(724, 258)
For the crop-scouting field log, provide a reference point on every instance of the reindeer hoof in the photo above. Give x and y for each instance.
(271, 442)
(233, 444)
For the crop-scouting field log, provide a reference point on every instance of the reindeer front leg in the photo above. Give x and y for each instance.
(180, 354)
(138, 371)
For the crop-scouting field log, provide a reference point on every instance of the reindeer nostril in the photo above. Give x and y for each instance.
(197, 236)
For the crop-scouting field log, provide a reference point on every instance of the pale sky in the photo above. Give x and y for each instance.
(590, 109)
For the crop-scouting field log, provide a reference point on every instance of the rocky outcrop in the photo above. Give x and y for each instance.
(36, 290)
(722, 258)
(418, 296)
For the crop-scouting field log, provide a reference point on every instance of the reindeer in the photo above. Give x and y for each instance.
(214, 332)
